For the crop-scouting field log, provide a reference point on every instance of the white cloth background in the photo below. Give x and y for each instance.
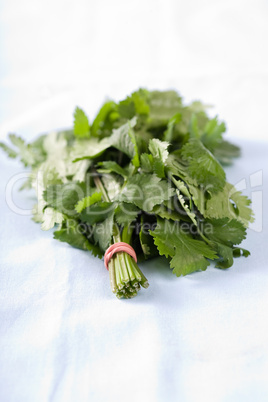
(64, 336)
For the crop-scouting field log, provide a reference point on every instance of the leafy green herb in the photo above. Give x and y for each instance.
(87, 201)
(148, 172)
(188, 254)
(81, 124)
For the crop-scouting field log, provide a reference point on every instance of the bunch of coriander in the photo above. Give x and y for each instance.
(148, 171)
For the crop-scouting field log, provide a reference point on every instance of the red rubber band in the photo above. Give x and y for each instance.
(115, 248)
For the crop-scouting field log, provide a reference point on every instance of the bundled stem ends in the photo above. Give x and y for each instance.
(126, 277)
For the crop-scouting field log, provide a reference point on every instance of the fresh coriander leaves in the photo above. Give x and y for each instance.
(145, 191)
(187, 254)
(148, 172)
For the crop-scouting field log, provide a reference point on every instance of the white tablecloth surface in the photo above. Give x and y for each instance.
(65, 337)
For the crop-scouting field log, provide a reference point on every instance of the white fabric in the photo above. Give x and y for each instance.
(63, 334)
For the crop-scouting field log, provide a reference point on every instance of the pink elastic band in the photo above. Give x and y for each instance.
(115, 248)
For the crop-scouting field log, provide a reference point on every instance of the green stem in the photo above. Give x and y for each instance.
(125, 276)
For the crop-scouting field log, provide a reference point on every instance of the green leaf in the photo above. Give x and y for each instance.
(169, 133)
(126, 108)
(81, 124)
(89, 149)
(121, 140)
(87, 201)
(147, 162)
(37, 214)
(126, 213)
(241, 202)
(100, 119)
(64, 197)
(187, 254)
(75, 234)
(24, 151)
(97, 212)
(202, 166)
(220, 205)
(145, 191)
(238, 251)
(159, 152)
(164, 105)
(136, 104)
(103, 232)
(212, 135)
(140, 99)
(50, 218)
(163, 212)
(177, 168)
(146, 240)
(113, 184)
(111, 166)
(9, 151)
(226, 231)
(225, 254)
(225, 152)
(193, 127)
